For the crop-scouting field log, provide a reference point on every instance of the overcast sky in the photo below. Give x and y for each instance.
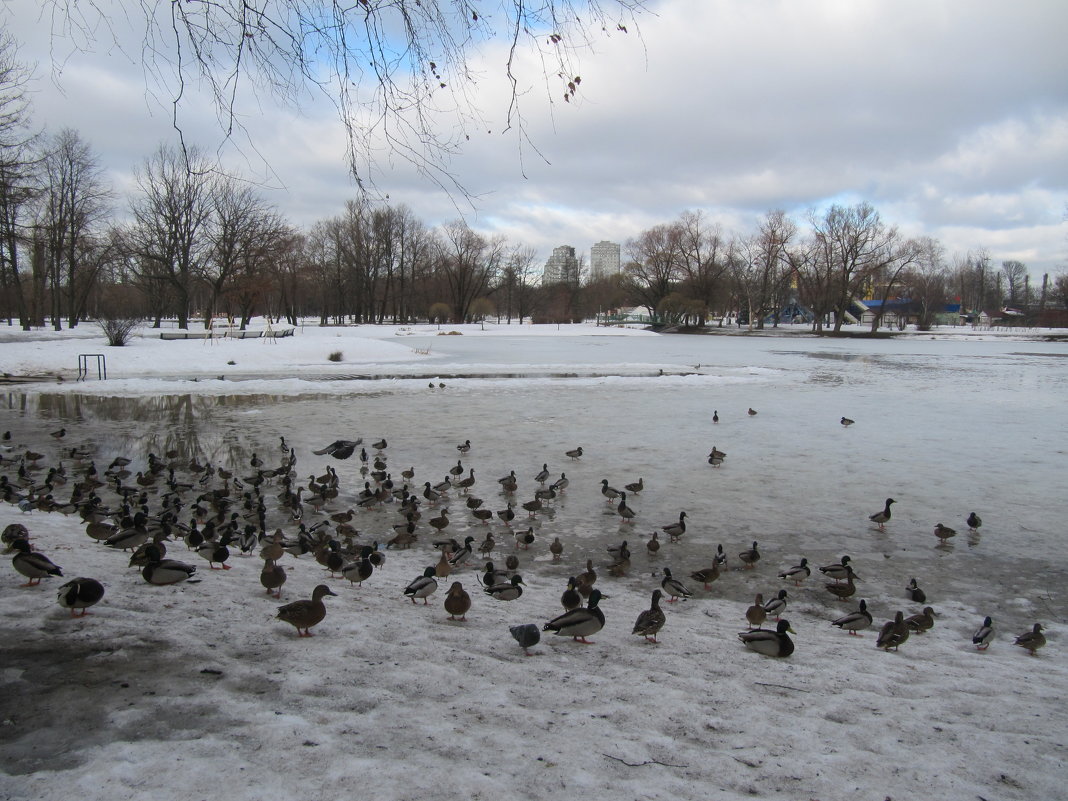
(950, 117)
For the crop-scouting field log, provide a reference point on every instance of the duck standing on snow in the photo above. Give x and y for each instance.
(32, 564)
(843, 591)
(914, 593)
(984, 634)
(756, 614)
(506, 591)
(944, 532)
(422, 587)
(836, 571)
(80, 593)
(675, 530)
(272, 577)
(798, 573)
(855, 621)
(974, 521)
(579, 623)
(161, 572)
(1032, 640)
(894, 633)
(750, 557)
(882, 518)
(457, 601)
(651, 620)
(770, 643)
(306, 613)
(674, 588)
(776, 606)
(921, 622)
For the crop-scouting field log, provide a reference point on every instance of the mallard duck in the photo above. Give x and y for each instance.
(625, 512)
(381, 445)
(944, 532)
(359, 571)
(750, 557)
(635, 486)
(984, 635)
(80, 593)
(524, 539)
(561, 483)
(463, 553)
(464, 447)
(838, 570)
(846, 422)
(507, 514)
(215, 552)
(621, 565)
(585, 580)
(881, 518)
(652, 545)
(441, 522)
(894, 633)
(707, 575)
(855, 621)
(306, 613)
(457, 601)
(675, 530)
(914, 593)
(556, 548)
(651, 620)
(673, 588)
(339, 448)
(482, 515)
(770, 643)
(777, 605)
(755, 614)
(1031, 640)
(506, 591)
(579, 623)
(422, 587)
(527, 635)
(843, 591)
(974, 522)
(752, 412)
(532, 507)
(32, 564)
(162, 572)
(570, 598)
(542, 476)
(573, 454)
(487, 545)
(610, 493)
(798, 573)
(921, 622)
(715, 415)
(272, 577)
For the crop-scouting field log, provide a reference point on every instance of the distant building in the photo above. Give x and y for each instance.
(562, 267)
(604, 260)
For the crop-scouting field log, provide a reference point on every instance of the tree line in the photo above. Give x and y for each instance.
(196, 243)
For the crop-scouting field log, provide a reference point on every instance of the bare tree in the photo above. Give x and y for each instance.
(925, 280)
(517, 288)
(761, 269)
(18, 184)
(469, 263)
(704, 256)
(1016, 277)
(653, 270)
(390, 67)
(169, 236)
(74, 210)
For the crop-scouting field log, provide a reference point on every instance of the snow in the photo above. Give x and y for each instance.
(197, 691)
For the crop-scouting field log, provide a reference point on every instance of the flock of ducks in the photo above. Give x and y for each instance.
(212, 510)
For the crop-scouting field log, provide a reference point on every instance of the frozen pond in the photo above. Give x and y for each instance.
(944, 427)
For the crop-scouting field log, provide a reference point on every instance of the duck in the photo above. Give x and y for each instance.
(527, 635)
(837, 570)
(651, 620)
(359, 571)
(507, 514)
(32, 564)
(556, 548)
(944, 532)
(756, 614)
(485, 548)
(216, 552)
(422, 587)
(881, 518)
(463, 553)
(777, 605)
(855, 621)
(675, 530)
(894, 633)
(441, 522)
(846, 422)
(306, 613)
(752, 412)
(162, 572)
(586, 579)
(770, 643)
(1031, 640)
(464, 447)
(570, 598)
(524, 539)
(482, 515)
(974, 522)
(457, 601)
(576, 453)
(610, 493)
(457, 469)
(533, 507)
(750, 557)
(506, 591)
(625, 512)
(914, 593)
(798, 573)
(674, 588)
(621, 565)
(715, 415)
(922, 621)
(635, 487)
(80, 593)
(579, 623)
(707, 575)
(843, 591)
(381, 445)
(339, 449)
(444, 566)
(984, 635)
(542, 476)
(272, 577)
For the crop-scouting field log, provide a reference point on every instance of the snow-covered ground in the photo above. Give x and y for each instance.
(197, 691)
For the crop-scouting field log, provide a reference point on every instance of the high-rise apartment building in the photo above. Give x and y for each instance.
(562, 267)
(604, 260)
